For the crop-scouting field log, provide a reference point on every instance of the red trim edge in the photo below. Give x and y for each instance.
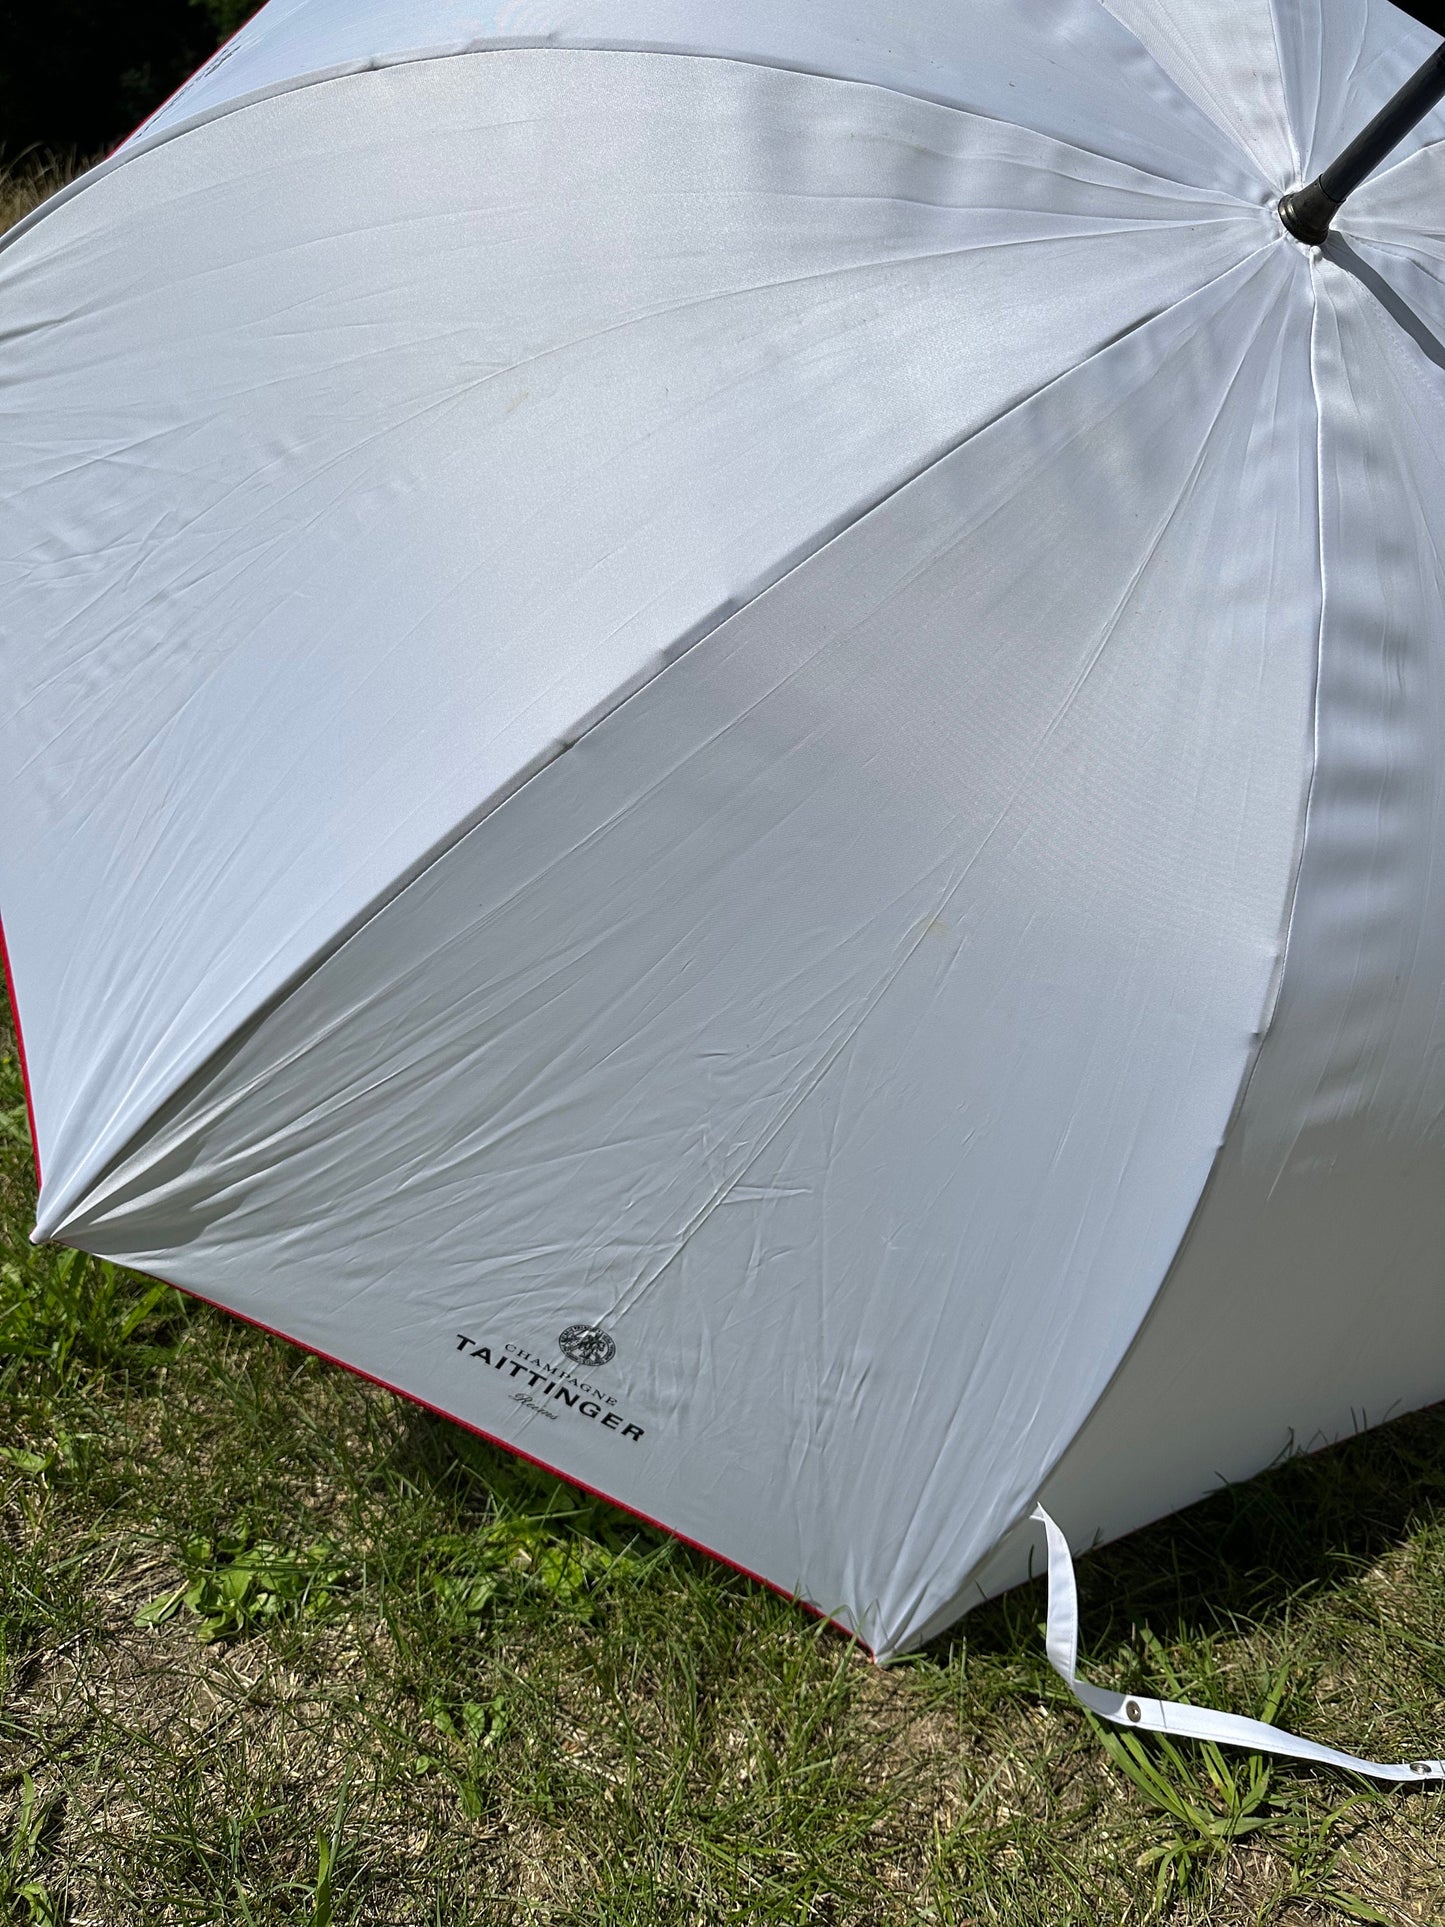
(415, 1398)
(490, 1438)
(20, 1051)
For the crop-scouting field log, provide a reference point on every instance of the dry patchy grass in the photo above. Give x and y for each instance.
(30, 179)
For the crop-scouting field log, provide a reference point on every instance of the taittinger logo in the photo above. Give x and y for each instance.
(588, 1345)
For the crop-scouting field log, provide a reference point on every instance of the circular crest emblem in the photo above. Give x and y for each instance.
(587, 1345)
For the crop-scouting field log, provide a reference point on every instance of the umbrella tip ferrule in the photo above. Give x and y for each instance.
(1307, 213)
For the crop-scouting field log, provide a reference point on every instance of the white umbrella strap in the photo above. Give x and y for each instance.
(1170, 1716)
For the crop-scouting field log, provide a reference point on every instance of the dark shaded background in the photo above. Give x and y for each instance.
(78, 75)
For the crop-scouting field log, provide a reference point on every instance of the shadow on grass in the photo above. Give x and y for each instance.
(477, 1483)
(1249, 1554)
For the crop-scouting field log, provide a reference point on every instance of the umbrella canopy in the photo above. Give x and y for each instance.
(723, 744)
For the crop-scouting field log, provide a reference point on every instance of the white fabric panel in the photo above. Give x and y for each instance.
(1307, 1302)
(1292, 84)
(1064, 67)
(363, 445)
(1225, 55)
(1341, 62)
(1392, 233)
(848, 1023)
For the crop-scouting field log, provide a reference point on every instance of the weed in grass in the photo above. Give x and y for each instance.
(236, 1588)
(1213, 1800)
(468, 1735)
(68, 1312)
(22, 1885)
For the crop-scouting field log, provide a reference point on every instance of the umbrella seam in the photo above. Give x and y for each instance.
(137, 147)
(1268, 1016)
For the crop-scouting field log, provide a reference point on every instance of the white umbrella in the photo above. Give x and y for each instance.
(724, 744)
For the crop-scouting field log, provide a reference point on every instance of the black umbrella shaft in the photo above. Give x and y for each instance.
(1308, 212)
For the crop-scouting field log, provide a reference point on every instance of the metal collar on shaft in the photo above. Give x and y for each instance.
(1308, 212)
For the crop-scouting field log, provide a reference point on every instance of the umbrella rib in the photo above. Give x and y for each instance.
(1263, 1030)
(140, 144)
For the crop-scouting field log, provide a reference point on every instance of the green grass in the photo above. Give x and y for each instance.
(277, 1647)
